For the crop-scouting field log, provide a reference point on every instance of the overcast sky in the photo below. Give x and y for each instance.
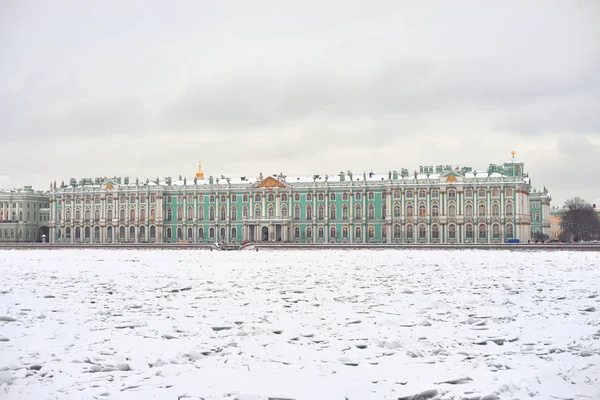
(148, 88)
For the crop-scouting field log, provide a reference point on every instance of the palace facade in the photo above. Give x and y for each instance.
(24, 215)
(432, 205)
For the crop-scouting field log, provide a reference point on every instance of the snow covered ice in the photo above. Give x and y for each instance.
(302, 325)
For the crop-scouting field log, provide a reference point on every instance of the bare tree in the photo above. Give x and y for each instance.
(579, 221)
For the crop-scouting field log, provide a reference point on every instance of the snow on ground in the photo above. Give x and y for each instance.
(389, 324)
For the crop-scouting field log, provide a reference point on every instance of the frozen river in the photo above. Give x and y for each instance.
(303, 325)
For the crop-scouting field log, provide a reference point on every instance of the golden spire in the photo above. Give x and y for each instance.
(200, 174)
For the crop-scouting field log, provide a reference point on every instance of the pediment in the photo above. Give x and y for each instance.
(270, 182)
(108, 184)
(451, 176)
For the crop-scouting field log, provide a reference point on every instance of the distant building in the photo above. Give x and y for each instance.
(556, 219)
(539, 204)
(24, 215)
(432, 205)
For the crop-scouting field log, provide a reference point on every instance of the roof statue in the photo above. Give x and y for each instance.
(512, 153)
(200, 174)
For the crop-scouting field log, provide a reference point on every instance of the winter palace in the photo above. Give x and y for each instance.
(438, 204)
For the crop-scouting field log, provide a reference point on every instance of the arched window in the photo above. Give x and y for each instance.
(537, 216)
(87, 215)
(87, 232)
(270, 197)
(271, 212)
(211, 198)
(451, 231)
(59, 215)
(345, 196)
(469, 210)
(371, 196)
(410, 232)
(77, 233)
(211, 233)
(509, 231)
(495, 192)
(508, 192)
(357, 212)
(422, 194)
(97, 233)
(201, 233)
(509, 210)
(142, 214)
(482, 231)
(397, 231)
(132, 215)
(422, 210)
(68, 216)
(77, 215)
(308, 212)
(320, 212)
(371, 212)
(396, 194)
(200, 213)
(409, 210)
(321, 233)
(422, 231)
(68, 233)
(233, 214)
(357, 232)
(452, 210)
(481, 193)
(180, 198)
(222, 213)
(297, 197)
(435, 231)
(244, 212)
(297, 212)
(179, 213)
(284, 197)
(481, 211)
(257, 212)
(495, 210)
(435, 210)
(257, 197)
(308, 232)
(296, 233)
(383, 211)
(179, 234)
(190, 234)
(332, 233)
(332, 211)
(469, 231)
(371, 233)
(345, 232)
(397, 211)
(132, 233)
(223, 198)
(122, 233)
(109, 233)
(190, 213)
(28, 216)
(169, 233)
(284, 211)
(211, 213)
(345, 212)
(234, 233)
(152, 232)
(496, 231)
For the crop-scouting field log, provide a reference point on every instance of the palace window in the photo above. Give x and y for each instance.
(270, 197)
(345, 196)
(495, 192)
(308, 196)
(409, 210)
(211, 233)
(234, 198)
(211, 199)
(397, 211)
(357, 212)
(383, 195)
(396, 194)
(509, 210)
(469, 231)
(97, 215)
(142, 214)
(297, 212)
(435, 210)
(244, 212)
(321, 197)
(451, 194)
(190, 234)
(223, 198)
(257, 212)
(332, 196)
(345, 232)
(495, 210)
(332, 233)
(97, 200)
(371, 212)
(371, 196)
(190, 198)
(270, 212)
(435, 193)
(482, 231)
(321, 233)
(245, 198)
(179, 213)
(452, 231)
(481, 211)
(321, 213)
(452, 210)
(200, 198)
(397, 231)
(481, 193)
(509, 231)
(409, 194)
(383, 211)
(469, 210)
(410, 232)
(537, 216)
(422, 194)
(308, 212)
(284, 211)
(109, 214)
(211, 213)
(422, 231)
(142, 199)
(371, 233)
(190, 213)
(469, 192)
(332, 211)
(200, 213)
(496, 231)
(296, 233)
(308, 232)
(222, 213)
(180, 198)
(345, 212)
(297, 197)
(508, 192)
(422, 210)
(357, 232)
(284, 197)
(233, 213)
(435, 231)
(357, 196)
